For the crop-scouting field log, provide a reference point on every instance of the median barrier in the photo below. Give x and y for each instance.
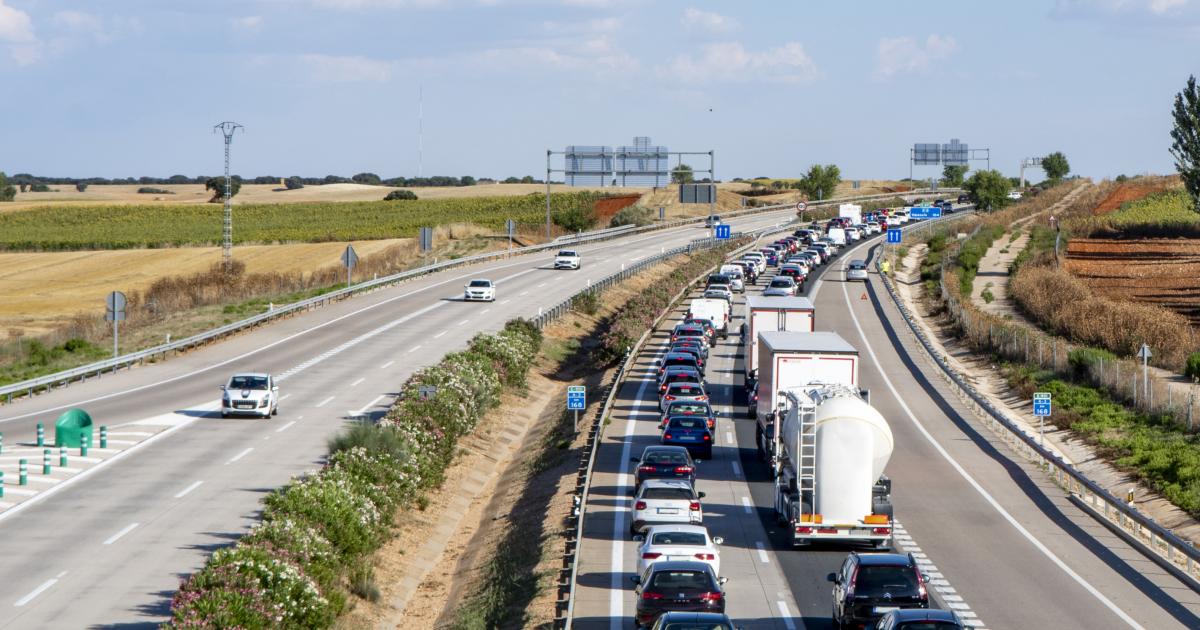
(69, 428)
(85, 440)
(41, 435)
(103, 436)
(23, 472)
(46, 461)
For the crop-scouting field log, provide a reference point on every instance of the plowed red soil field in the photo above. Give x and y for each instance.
(1162, 271)
(1125, 193)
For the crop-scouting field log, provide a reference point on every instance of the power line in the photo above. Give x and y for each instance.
(227, 129)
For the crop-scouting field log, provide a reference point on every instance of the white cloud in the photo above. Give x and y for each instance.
(896, 55)
(697, 20)
(1085, 7)
(346, 69)
(248, 23)
(16, 30)
(730, 61)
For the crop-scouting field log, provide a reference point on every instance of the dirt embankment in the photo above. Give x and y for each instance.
(1157, 271)
(1124, 193)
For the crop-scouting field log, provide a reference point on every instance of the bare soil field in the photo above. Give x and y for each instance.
(1124, 193)
(1159, 271)
(267, 193)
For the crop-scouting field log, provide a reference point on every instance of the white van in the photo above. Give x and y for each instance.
(716, 311)
(837, 235)
(736, 275)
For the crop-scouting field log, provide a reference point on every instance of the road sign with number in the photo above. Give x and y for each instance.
(924, 212)
(894, 236)
(1041, 404)
(723, 231)
(801, 206)
(576, 397)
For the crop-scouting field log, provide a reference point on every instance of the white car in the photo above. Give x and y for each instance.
(666, 501)
(759, 261)
(853, 234)
(664, 543)
(737, 279)
(1014, 194)
(873, 227)
(781, 286)
(480, 289)
(250, 394)
(567, 259)
(717, 292)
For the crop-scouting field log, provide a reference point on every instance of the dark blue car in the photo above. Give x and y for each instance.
(690, 432)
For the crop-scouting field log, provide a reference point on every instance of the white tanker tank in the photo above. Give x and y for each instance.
(832, 449)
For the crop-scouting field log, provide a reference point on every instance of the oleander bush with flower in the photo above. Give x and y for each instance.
(293, 569)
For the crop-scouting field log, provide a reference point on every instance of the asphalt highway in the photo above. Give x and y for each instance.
(1003, 547)
(109, 550)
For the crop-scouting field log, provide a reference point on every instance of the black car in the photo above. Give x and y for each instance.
(920, 619)
(720, 280)
(693, 621)
(964, 199)
(663, 462)
(689, 349)
(677, 586)
(870, 585)
(687, 376)
(688, 342)
(696, 330)
(679, 358)
(710, 330)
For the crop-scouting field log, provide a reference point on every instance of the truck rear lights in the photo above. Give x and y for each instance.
(881, 531)
(800, 529)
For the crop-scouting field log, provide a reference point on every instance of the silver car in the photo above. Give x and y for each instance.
(250, 394)
(782, 286)
(682, 392)
(857, 270)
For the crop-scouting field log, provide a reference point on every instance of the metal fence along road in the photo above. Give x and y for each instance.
(31, 386)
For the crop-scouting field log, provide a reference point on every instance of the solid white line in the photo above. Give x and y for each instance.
(485, 311)
(762, 553)
(285, 427)
(388, 364)
(462, 322)
(284, 397)
(737, 470)
(37, 591)
(410, 351)
(787, 616)
(240, 455)
(185, 491)
(117, 536)
(975, 484)
(747, 505)
(324, 402)
(440, 334)
(505, 301)
(371, 404)
(729, 438)
(358, 382)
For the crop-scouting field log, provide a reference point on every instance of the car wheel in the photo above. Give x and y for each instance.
(275, 411)
(834, 621)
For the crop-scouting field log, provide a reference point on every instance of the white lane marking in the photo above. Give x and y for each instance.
(540, 285)
(729, 438)
(762, 553)
(285, 427)
(239, 455)
(737, 470)
(440, 334)
(324, 402)
(616, 597)
(410, 351)
(975, 484)
(358, 382)
(117, 536)
(505, 302)
(371, 404)
(523, 294)
(462, 322)
(284, 397)
(185, 491)
(388, 364)
(38, 591)
(787, 616)
(485, 311)
(747, 505)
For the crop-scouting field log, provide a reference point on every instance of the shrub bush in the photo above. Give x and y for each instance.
(1192, 368)
(632, 215)
(150, 190)
(1082, 359)
(576, 219)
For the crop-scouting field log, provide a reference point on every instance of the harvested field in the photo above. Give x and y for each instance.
(606, 208)
(1160, 271)
(1124, 193)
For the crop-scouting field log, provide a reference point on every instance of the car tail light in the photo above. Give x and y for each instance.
(803, 530)
(704, 397)
(649, 595)
(683, 469)
(669, 397)
(707, 437)
(922, 592)
(706, 556)
(640, 505)
(650, 555)
(666, 436)
(647, 468)
(694, 505)
(881, 531)
(714, 596)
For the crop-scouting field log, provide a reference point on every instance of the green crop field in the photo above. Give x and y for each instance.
(171, 225)
(1172, 206)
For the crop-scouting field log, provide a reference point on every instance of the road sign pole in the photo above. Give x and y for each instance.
(116, 353)
(577, 421)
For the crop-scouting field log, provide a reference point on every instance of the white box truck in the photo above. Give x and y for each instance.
(832, 450)
(789, 360)
(851, 211)
(770, 314)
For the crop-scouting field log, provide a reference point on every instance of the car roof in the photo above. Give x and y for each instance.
(694, 617)
(680, 565)
(858, 261)
(667, 483)
(924, 614)
(677, 527)
(883, 559)
(659, 448)
(680, 385)
(481, 280)
(264, 374)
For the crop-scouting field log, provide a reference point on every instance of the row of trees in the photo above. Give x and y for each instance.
(372, 179)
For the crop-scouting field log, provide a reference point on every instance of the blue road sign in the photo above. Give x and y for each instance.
(723, 231)
(924, 212)
(1041, 404)
(576, 397)
(894, 236)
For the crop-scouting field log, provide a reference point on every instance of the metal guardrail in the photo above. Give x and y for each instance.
(31, 386)
(565, 606)
(1173, 553)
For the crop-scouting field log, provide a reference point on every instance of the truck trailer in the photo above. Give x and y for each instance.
(788, 359)
(771, 314)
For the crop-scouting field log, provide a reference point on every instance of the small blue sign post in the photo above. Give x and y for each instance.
(894, 236)
(1041, 409)
(576, 401)
(723, 231)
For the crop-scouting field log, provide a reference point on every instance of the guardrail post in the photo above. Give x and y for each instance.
(103, 436)
(62, 456)
(23, 472)
(41, 435)
(46, 461)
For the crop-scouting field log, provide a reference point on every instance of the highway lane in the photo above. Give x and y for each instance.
(176, 500)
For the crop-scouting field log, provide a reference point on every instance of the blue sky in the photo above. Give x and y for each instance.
(133, 87)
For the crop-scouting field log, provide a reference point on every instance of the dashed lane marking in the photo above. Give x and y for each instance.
(117, 536)
(185, 491)
(239, 455)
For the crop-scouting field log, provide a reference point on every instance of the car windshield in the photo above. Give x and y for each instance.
(248, 382)
(699, 625)
(688, 407)
(876, 580)
(481, 283)
(781, 284)
(665, 457)
(567, 252)
(686, 422)
(857, 265)
(678, 538)
(681, 581)
(668, 493)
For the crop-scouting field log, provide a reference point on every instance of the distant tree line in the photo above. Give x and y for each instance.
(295, 181)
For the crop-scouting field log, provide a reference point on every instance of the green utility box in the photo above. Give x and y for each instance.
(72, 427)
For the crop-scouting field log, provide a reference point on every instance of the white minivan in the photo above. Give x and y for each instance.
(716, 311)
(837, 235)
(737, 277)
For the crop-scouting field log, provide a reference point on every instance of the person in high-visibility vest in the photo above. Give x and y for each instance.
(884, 267)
